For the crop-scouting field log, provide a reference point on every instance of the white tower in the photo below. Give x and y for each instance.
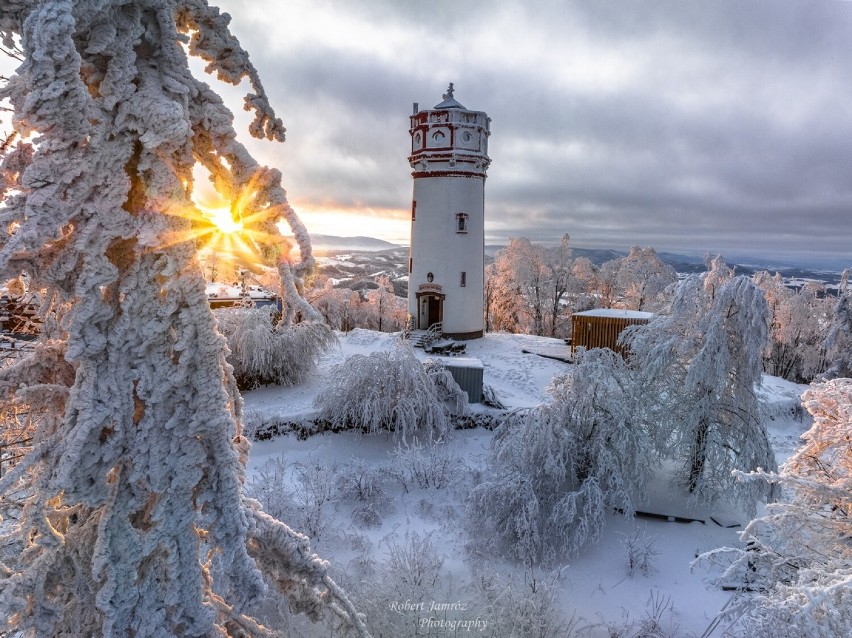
(449, 158)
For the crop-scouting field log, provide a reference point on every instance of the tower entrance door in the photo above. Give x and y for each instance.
(430, 305)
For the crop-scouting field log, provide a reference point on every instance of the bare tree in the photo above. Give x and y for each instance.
(529, 285)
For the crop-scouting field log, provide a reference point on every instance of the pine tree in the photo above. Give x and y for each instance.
(135, 482)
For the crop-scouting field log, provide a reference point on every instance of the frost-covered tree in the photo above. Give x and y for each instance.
(699, 367)
(797, 568)
(264, 352)
(382, 307)
(636, 281)
(557, 470)
(839, 340)
(135, 487)
(338, 306)
(384, 390)
(529, 286)
(796, 349)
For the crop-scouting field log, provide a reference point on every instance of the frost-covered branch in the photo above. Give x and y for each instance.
(137, 477)
(796, 569)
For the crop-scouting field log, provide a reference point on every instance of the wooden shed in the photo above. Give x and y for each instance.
(600, 328)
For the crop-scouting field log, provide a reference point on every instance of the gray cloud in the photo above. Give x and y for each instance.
(680, 124)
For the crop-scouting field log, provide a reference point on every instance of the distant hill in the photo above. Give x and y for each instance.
(368, 257)
(332, 243)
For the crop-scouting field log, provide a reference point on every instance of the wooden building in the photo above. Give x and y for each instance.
(600, 328)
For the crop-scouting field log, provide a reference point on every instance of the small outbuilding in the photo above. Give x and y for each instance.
(601, 327)
(467, 372)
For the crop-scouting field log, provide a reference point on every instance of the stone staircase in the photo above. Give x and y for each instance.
(432, 341)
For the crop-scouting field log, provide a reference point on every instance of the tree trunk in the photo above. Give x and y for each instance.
(699, 454)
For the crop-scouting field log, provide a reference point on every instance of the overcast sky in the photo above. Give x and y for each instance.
(686, 125)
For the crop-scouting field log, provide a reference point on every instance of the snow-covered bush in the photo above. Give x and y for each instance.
(385, 390)
(268, 485)
(397, 596)
(659, 620)
(361, 484)
(435, 465)
(302, 493)
(797, 565)
(699, 368)
(522, 607)
(264, 351)
(556, 471)
(315, 492)
(640, 551)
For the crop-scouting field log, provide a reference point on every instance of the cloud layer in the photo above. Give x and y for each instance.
(686, 125)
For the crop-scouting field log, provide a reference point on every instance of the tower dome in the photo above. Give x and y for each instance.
(449, 160)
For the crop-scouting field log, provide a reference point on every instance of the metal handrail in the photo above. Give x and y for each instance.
(433, 333)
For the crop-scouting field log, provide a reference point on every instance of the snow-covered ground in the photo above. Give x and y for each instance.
(475, 591)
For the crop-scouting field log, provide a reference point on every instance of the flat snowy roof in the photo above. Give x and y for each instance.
(462, 362)
(615, 312)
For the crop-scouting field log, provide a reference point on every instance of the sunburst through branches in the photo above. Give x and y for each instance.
(233, 231)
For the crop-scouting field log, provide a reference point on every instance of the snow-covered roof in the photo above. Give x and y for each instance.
(449, 101)
(235, 291)
(463, 362)
(615, 312)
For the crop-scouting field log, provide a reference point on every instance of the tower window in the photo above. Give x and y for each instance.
(410, 264)
(463, 279)
(413, 209)
(461, 222)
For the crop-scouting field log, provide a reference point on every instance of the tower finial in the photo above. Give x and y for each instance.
(449, 94)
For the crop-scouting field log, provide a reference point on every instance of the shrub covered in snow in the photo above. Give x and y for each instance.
(557, 470)
(385, 390)
(265, 351)
(435, 466)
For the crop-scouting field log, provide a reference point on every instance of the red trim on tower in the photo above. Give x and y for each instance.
(423, 174)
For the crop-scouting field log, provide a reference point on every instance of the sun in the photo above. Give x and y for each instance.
(223, 220)
(239, 227)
